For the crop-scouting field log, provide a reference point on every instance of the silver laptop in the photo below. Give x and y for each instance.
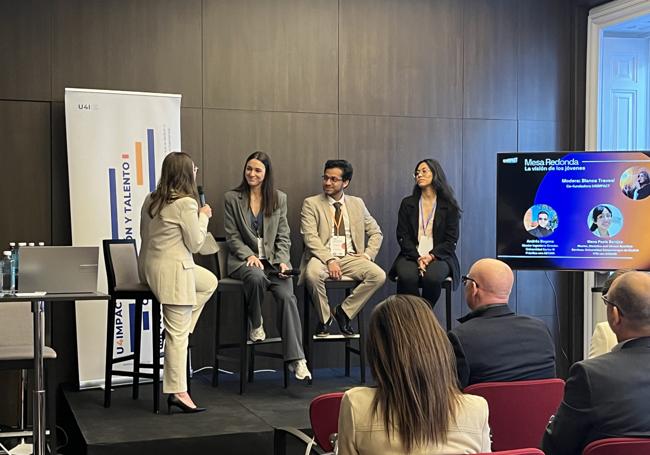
(58, 269)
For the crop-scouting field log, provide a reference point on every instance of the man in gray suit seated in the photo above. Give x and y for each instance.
(608, 396)
(334, 227)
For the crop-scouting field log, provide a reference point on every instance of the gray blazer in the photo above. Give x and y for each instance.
(316, 227)
(242, 239)
(168, 241)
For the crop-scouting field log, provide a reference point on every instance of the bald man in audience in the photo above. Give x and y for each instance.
(493, 343)
(609, 396)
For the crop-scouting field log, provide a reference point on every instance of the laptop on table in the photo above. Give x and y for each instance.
(58, 269)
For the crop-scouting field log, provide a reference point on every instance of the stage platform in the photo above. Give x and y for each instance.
(232, 425)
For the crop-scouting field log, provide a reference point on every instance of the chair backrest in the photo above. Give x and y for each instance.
(530, 451)
(324, 417)
(618, 446)
(222, 258)
(519, 410)
(16, 324)
(121, 259)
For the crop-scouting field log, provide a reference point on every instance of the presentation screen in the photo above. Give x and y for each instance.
(574, 210)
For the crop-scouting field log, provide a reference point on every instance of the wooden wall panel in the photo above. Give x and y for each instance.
(278, 55)
(192, 138)
(482, 139)
(490, 59)
(61, 231)
(401, 57)
(144, 45)
(25, 49)
(542, 136)
(25, 164)
(543, 79)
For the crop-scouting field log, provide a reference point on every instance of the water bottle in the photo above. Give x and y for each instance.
(8, 279)
(17, 261)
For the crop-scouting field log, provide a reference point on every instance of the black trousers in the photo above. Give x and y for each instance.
(409, 280)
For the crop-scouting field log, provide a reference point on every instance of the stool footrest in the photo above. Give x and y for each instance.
(125, 358)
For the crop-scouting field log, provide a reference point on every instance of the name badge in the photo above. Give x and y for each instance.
(425, 245)
(260, 248)
(337, 245)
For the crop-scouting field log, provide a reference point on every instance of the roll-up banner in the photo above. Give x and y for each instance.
(116, 144)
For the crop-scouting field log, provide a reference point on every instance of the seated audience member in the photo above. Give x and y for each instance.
(603, 339)
(493, 343)
(427, 233)
(609, 396)
(334, 226)
(416, 407)
(257, 232)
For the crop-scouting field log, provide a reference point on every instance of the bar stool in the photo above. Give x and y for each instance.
(308, 338)
(17, 353)
(121, 260)
(247, 348)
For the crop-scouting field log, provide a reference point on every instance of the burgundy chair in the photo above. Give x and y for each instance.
(618, 446)
(519, 410)
(324, 418)
(530, 451)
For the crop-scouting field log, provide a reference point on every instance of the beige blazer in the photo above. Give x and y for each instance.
(602, 341)
(362, 433)
(316, 223)
(168, 241)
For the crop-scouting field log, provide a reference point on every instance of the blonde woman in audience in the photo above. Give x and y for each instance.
(417, 407)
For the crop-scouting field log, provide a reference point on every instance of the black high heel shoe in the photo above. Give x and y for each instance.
(173, 400)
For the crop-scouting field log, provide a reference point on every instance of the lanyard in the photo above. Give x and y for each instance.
(425, 226)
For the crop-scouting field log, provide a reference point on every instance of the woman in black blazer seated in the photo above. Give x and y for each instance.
(427, 232)
(257, 233)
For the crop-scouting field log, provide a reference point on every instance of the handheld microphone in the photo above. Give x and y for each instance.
(201, 195)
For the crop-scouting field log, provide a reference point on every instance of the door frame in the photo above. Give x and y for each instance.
(600, 18)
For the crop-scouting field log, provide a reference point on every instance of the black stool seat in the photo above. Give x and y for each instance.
(121, 259)
(347, 284)
(247, 348)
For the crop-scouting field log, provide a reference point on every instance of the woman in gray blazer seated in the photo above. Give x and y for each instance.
(417, 407)
(172, 227)
(259, 247)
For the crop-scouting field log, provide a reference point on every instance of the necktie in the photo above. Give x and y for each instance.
(339, 223)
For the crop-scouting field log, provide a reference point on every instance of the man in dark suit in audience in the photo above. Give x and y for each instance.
(609, 396)
(493, 343)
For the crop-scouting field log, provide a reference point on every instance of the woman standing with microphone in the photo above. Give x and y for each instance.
(257, 233)
(427, 232)
(173, 227)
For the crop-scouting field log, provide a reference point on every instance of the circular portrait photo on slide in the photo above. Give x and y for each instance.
(605, 221)
(635, 182)
(540, 220)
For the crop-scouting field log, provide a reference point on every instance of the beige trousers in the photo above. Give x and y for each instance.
(179, 321)
(372, 278)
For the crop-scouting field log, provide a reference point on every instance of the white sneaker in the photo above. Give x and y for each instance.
(258, 333)
(300, 369)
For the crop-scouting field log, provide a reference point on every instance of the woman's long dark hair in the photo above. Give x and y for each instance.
(439, 183)
(269, 195)
(414, 367)
(176, 181)
(595, 214)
